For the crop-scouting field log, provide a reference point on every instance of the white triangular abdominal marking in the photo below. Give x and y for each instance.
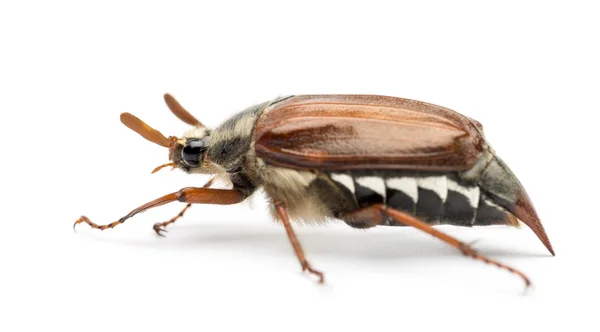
(345, 180)
(471, 193)
(437, 184)
(407, 185)
(374, 183)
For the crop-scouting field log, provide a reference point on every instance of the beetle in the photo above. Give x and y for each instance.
(367, 160)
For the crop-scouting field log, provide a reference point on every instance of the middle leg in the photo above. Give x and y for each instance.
(160, 226)
(295, 243)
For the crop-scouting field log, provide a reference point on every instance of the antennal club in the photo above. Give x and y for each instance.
(180, 112)
(147, 132)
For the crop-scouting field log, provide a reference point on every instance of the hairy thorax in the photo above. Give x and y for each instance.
(294, 189)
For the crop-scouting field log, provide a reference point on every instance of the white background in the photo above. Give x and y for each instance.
(528, 71)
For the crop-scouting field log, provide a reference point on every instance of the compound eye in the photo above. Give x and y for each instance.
(192, 151)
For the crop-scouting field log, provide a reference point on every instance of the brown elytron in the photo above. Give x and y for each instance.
(366, 132)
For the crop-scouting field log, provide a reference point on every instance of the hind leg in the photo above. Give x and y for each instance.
(375, 214)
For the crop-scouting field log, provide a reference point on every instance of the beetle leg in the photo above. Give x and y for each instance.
(185, 195)
(375, 214)
(160, 226)
(84, 219)
(295, 243)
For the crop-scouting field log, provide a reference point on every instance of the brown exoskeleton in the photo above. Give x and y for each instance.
(367, 160)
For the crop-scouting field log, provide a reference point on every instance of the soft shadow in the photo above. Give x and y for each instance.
(393, 244)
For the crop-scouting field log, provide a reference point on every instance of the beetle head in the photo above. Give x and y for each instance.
(187, 153)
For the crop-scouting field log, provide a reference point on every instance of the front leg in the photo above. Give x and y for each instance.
(185, 195)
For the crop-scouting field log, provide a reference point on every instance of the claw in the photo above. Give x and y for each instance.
(319, 274)
(79, 221)
(470, 252)
(158, 229)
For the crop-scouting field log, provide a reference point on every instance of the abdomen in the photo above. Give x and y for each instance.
(434, 197)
